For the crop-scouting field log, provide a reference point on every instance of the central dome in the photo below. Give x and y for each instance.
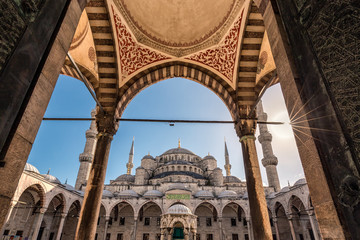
(178, 151)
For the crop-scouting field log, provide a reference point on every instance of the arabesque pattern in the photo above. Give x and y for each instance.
(132, 56)
(222, 58)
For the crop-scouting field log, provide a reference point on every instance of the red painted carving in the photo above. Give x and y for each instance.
(132, 55)
(222, 57)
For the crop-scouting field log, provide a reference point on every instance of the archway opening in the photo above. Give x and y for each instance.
(71, 221)
(282, 221)
(121, 222)
(149, 221)
(234, 222)
(178, 231)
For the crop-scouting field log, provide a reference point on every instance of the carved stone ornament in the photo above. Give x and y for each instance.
(349, 195)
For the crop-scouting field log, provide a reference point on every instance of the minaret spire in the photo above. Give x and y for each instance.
(130, 164)
(87, 156)
(227, 165)
(179, 143)
(269, 161)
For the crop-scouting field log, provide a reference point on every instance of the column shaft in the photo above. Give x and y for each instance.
(293, 235)
(135, 229)
(61, 226)
(90, 208)
(38, 223)
(258, 207)
(313, 227)
(106, 227)
(276, 229)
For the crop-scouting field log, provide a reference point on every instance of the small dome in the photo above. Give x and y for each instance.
(80, 192)
(128, 194)
(271, 195)
(140, 167)
(245, 196)
(208, 157)
(51, 178)
(30, 168)
(125, 178)
(180, 186)
(285, 189)
(153, 194)
(69, 187)
(228, 194)
(204, 194)
(231, 179)
(178, 209)
(178, 151)
(108, 194)
(300, 182)
(178, 162)
(148, 156)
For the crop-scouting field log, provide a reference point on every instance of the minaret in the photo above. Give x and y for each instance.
(227, 165)
(269, 161)
(87, 156)
(130, 164)
(179, 143)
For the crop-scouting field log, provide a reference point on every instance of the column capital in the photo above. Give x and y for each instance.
(274, 219)
(42, 210)
(245, 125)
(107, 218)
(106, 124)
(63, 215)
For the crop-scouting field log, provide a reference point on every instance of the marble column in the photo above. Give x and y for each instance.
(220, 227)
(293, 235)
(38, 222)
(135, 228)
(86, 228)
(61, 226)
(276, 228)
(312, 223)
(245, 128)
(250, 229)
(107, 219)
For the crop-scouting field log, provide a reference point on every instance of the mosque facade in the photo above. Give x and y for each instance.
(176, 195)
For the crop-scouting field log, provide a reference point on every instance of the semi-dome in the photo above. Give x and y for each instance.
(125, 178)
(128, 194)
(107, 193)
(178, 209)
(178, 151)
(228, 194)
(300, 182)
(231, 179)
(271, 195)
(51, 178)
(30, 168)
(153, 194)
(204, 194)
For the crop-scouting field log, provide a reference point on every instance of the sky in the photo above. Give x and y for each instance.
(59, 143)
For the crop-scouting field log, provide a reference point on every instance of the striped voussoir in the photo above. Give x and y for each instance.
(263, 81)
(69, 70)
(249, 56)
(97, 11)
(162, 72)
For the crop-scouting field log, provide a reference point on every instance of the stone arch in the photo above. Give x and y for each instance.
(241, 204)
(181, 220)
(69, 70)
(111, 207)
(49, 198)
(294, 199)
(282, 221)
(208, 202)
(71, 220)
(37, 187)
(264, 80)
(177, 69)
